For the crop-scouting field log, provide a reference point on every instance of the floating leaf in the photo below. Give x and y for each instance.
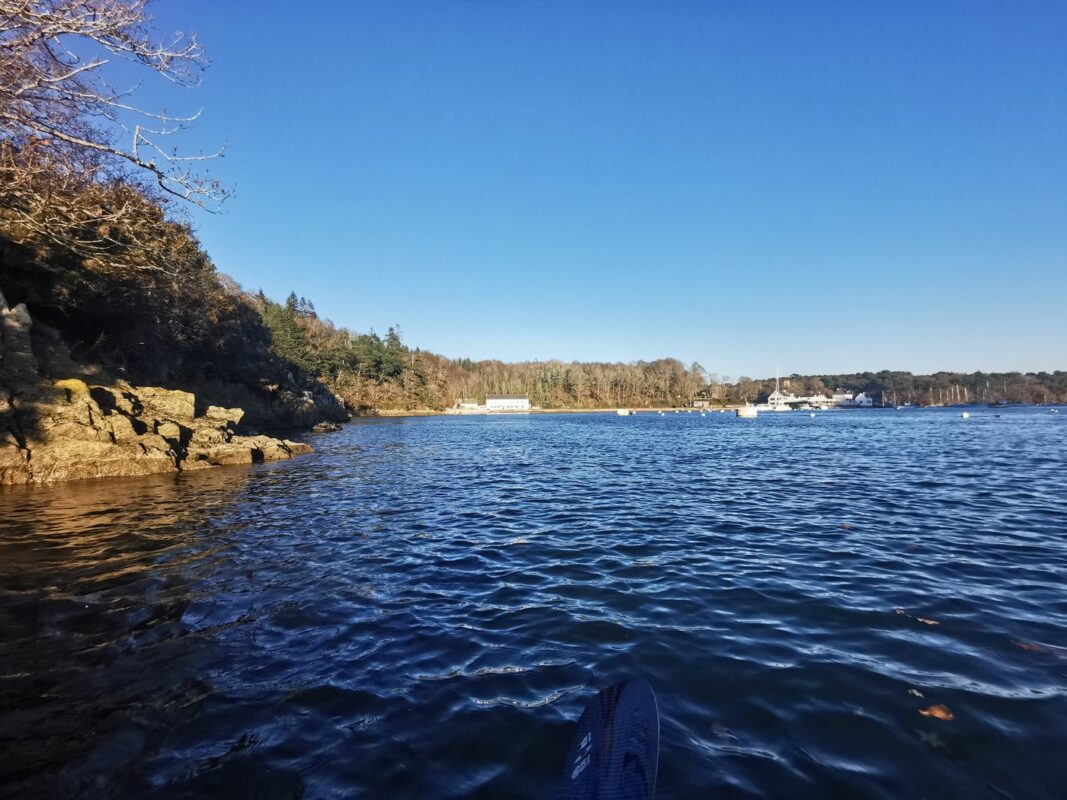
(845, 526)
(925, 621)
(1031, 647)
(938, 712)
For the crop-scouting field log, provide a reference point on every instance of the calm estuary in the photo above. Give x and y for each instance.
(420, 609)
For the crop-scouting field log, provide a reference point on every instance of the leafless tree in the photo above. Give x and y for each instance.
(82, 165)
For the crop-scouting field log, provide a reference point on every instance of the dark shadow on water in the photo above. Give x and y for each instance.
(98, 656)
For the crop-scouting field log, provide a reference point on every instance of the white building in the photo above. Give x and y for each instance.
(780, 401)
(847, 400)
(507, 402)
(818, 401)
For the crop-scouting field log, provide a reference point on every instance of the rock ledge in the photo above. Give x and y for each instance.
(72, 428)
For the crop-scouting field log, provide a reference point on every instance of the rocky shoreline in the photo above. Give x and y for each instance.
(60, 420)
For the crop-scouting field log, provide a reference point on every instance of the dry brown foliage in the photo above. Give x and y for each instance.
(82, 166)
(938, 712)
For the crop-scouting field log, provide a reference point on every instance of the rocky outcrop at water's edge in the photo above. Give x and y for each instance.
(60, 420)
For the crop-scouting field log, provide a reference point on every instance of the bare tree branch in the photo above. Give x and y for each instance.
(72, 146)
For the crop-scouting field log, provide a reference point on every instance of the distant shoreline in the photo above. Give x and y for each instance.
(426, 412)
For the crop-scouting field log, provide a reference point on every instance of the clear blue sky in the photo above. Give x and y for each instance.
(836, 186)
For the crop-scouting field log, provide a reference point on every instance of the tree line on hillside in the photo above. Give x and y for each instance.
(371, 372)
(889, 387)
(558, 384)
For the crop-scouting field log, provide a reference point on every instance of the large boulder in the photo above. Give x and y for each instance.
(207, 435)
(239, 452)
(228, 416)
(117, 398)
(169, 430)
(125, 428)
(297, 448)
(169, 403)
(65, 461)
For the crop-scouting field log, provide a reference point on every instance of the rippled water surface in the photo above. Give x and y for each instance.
(420, 609)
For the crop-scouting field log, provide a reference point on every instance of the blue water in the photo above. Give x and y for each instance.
(421, 608)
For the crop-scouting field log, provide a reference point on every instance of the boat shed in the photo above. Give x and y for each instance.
(507, 402)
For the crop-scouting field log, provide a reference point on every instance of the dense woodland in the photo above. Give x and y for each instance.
(895, 387)
(372, 372)
(94, 239)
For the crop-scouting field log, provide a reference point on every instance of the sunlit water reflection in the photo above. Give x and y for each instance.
(420, 608)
